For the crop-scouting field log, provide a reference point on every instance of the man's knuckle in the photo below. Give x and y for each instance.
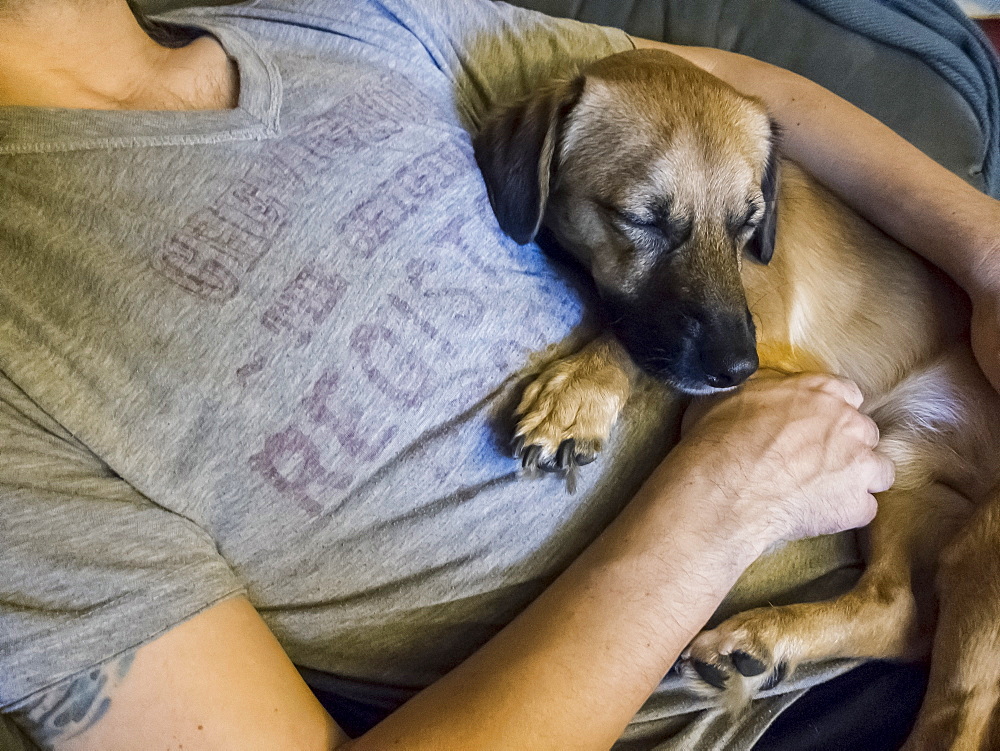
(818, 380)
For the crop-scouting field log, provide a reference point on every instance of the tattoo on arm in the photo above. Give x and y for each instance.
(75, 705)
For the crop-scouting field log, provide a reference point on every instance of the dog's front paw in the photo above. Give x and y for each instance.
(743, 656)
(567, 413)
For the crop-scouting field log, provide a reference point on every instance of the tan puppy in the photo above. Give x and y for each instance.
(659, 179)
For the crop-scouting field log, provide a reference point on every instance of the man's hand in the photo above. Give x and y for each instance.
(790, 455)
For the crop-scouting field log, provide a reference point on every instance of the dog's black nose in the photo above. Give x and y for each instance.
(730, 372)
(728, 351)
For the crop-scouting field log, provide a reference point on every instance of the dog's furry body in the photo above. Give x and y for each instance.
(839, 296)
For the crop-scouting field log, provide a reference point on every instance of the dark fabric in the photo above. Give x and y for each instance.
(354, 717)
(871, 708)
(940, 34)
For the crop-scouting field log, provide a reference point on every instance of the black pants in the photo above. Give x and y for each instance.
(871, 708)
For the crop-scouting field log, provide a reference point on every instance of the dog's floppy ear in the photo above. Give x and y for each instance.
(515, 151)
(761, 243)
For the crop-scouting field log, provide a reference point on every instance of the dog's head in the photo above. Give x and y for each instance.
(657, 177)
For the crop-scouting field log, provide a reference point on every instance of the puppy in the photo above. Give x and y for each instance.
(712, 257)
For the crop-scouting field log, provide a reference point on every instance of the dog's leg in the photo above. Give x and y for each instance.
(567, 413)
(879, 618)
(961, 709)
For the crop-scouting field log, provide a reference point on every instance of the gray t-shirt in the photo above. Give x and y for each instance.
(274, 351)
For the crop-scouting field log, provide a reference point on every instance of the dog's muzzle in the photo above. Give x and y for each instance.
(697, 352)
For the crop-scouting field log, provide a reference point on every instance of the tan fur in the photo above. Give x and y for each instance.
(579, 397)
(841, 297)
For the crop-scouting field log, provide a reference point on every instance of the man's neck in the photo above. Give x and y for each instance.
(94, 55)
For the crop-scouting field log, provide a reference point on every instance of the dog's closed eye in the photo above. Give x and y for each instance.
(655, 229)
(644, 222)
(745, 223)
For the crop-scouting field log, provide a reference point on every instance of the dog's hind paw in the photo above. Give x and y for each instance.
(743, 656)
(567, 413)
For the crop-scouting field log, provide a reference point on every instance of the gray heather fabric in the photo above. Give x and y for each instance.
(274, 351)
(914, 66)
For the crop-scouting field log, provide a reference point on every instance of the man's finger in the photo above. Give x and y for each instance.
(986, 336)
(869, 432)
(770, 373)
(868, 511)
(883, 474)
(842, 388)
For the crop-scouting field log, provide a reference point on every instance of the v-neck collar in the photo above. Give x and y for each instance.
(25, 130)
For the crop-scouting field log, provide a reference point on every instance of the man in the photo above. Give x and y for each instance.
(259, 327)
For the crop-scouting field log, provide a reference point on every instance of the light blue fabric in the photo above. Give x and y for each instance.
(940, 34)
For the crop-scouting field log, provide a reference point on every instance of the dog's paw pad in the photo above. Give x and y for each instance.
(748, 665)
(738, 657)
(713, 675)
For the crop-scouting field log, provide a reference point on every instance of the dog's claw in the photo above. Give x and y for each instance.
(550, 465)
(675, 669)
(711, 674)
(517, 446)
(746, 664)
(569, 457)
(529, 458)
(775, 678)
(566, 455)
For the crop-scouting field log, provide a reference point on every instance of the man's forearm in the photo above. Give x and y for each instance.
(882, 176)
(572, 669)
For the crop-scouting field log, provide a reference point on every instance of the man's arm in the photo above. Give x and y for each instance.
(218, 681)
(882, 176)
(568, 673)
(781, 459)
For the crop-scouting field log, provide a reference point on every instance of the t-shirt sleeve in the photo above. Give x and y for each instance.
(91, 568)
(497, 52)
